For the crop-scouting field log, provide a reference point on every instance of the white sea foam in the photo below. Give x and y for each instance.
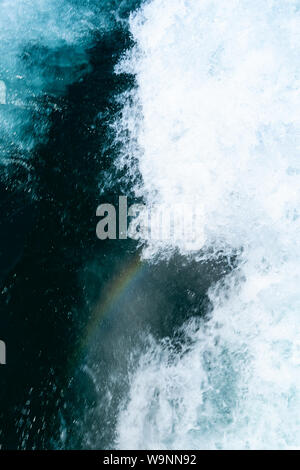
(215, 120)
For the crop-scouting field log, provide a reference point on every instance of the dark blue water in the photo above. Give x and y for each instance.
(57, 150)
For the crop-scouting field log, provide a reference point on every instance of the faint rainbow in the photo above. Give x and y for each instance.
(114, 292)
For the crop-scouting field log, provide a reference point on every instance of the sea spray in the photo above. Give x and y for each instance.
(215, 118)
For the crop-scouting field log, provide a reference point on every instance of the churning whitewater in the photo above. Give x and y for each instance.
(215, 120)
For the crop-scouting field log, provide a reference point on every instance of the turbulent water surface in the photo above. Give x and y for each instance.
(151, 343)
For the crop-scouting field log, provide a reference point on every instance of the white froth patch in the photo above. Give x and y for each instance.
(218, 87)
(216, 121)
